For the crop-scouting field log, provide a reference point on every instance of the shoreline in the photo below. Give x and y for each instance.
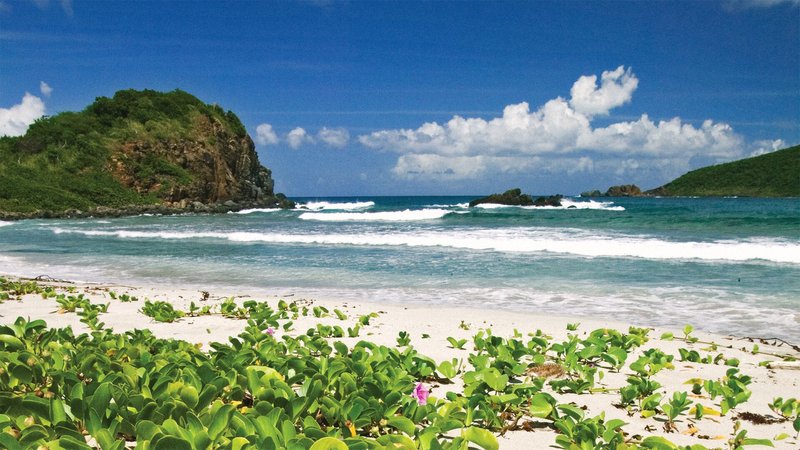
(428, 331)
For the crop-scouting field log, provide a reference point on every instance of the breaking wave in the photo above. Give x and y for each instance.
(541, 240)
(328, 206)
(407, 215)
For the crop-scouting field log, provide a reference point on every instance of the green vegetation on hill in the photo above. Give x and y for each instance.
(79, 160)
(775, 174)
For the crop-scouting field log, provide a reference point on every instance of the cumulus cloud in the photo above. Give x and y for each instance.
(265, 135)
(616, 88)
(560, 130)
(45, 89)
(335, 137)
(297, 137)
(14, 121)
(766, 146)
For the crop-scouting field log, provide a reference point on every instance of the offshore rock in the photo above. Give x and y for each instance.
(553, 200)
(511, 197)
(625, 190)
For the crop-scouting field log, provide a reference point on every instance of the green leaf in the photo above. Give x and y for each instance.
(100, 399)
(329, 443)
(403, 424)
(38, 406)
(540, 406)
(481, 437)
(658, 443)
(71, 443)
(395, 441)
(446, 368)
(145, 430)
(172, 443)
(751, 441)
(220, 421)
(8, 441)
(495, 379)
(11, 342)
(238, 443)
(189, 396)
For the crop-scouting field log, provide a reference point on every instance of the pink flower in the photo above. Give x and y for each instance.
(421, 394)
(270, 331)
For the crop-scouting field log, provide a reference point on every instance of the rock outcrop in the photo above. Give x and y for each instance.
(515, 197)
(511, 197)
(211, 166)
(623, 190)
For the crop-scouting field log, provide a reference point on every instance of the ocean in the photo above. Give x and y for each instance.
(724, 265)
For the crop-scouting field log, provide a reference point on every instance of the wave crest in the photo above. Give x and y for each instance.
(328, 206)
(407, 215)
(572, 242)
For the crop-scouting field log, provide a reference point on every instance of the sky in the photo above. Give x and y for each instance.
(360, 98)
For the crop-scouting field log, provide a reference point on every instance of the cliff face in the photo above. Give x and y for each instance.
(139, 151)
(216, 166)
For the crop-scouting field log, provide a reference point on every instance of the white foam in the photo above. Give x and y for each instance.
(345, 206)
(407, 215)
(457, 205)
(591, 204)
(565, 204)
(255, 210)
(5, 224)
(517, 240)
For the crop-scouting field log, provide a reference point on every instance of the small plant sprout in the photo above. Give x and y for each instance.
(687, 331)
(674, 408)
(403, 339)
(573, 326)
(456, 343)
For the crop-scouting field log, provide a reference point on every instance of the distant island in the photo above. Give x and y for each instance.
(137, 152)
(775, 174)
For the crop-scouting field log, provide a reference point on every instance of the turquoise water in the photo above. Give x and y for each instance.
(723, 265)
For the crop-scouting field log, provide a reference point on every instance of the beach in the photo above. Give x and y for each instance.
(769, 363)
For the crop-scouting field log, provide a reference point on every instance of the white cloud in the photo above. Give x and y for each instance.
(335, 137)
(297, 137)
(734, 5)
(14, 121)
(66, 5)
(560, 129)
(265, 135)
(767, 146)
(45, 89)
(616, 89)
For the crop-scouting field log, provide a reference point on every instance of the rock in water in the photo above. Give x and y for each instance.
(553, 200)
(511, 197)
(625, 190)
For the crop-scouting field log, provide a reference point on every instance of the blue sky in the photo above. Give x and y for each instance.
(400, 98)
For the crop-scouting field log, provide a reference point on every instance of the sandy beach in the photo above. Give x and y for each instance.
(430, 327)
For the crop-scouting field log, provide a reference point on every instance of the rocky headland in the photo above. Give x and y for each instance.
(136, 153)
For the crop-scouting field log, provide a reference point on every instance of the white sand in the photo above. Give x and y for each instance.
(439, 323)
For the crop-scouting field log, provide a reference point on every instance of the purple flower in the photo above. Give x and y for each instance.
(270, 331)
(421, 394)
